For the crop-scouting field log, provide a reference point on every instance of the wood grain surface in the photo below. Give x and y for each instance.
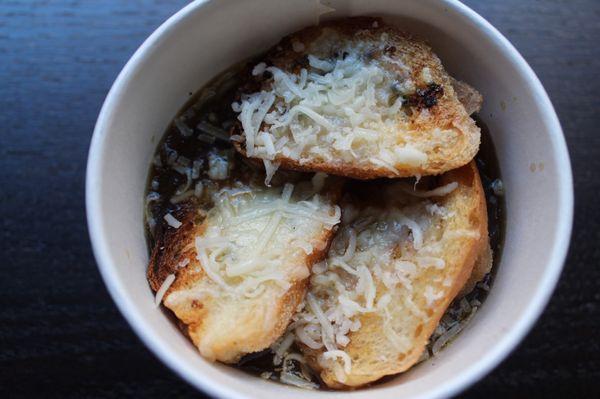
(60, 334)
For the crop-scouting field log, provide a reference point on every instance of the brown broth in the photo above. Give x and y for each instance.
(211, 104)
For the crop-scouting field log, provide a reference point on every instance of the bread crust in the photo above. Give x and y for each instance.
(483, 265)
(448, 114)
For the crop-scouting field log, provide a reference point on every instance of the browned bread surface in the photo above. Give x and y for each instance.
(482, 266)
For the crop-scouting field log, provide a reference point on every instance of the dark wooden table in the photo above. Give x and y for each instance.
(60, 334)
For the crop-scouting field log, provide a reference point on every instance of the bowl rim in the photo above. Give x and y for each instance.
(462, 379)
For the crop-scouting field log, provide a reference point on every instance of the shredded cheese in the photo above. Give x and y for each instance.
(374, 261)
(218, 167)
(437, 192)
(171, 221)
(346, 109)
(245, 249)
(163, 289)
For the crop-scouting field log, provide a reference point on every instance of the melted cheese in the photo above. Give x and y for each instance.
(347, 108)
(374, 261)
(245, 246)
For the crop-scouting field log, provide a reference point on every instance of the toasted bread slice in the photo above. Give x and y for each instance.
(355, 98)
(241, 268)
(468, 96)
(395, 265)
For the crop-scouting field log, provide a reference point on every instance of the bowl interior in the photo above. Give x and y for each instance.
(207, 37)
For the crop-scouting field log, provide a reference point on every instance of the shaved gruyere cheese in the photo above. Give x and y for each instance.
(160, 293)
(245, 247)
(437, 192)
(172, 221)
(374, 261)
(342, 109)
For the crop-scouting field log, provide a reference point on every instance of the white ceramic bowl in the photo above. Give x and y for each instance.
(208, 36)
